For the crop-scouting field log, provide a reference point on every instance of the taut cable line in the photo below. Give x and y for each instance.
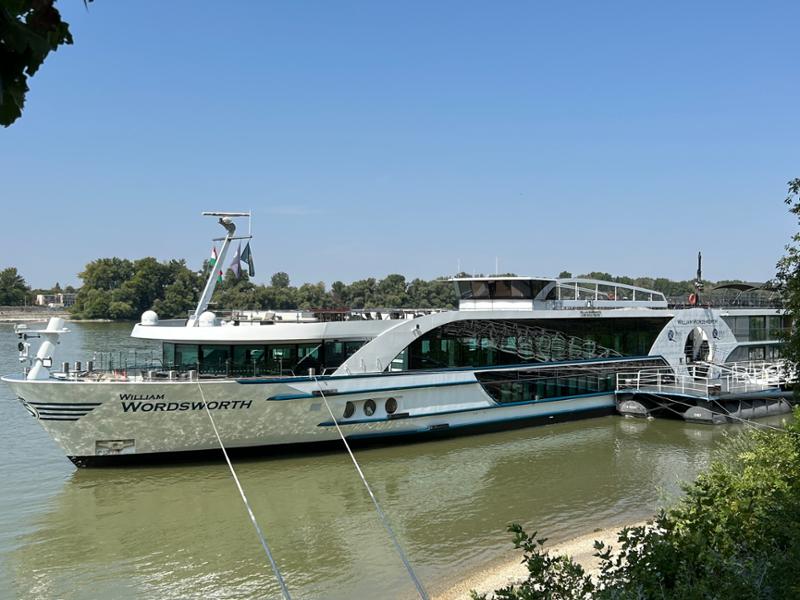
(264, 544)
(417, 583)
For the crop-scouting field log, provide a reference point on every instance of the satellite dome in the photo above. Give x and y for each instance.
(149, 317)
(207, 319)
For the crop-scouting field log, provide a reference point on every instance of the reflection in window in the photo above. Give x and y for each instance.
(253, 360)
(440, 348)
(186, 356)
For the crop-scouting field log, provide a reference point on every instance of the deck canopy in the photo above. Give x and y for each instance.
(742, 286)
(601, 292)
(743, 294)
(516, 293)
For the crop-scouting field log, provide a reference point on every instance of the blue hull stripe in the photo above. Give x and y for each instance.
(371, 391)
(488, 424)
(344, 422)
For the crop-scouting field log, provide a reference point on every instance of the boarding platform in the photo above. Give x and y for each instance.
(708, 392)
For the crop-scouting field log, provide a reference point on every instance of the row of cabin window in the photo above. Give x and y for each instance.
(259, 359)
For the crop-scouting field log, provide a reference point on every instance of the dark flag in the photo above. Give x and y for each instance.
(247, 257)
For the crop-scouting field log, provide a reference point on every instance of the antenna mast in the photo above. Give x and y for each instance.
(226, 220)
(698, 282)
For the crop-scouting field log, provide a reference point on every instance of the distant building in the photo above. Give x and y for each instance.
(55, 300)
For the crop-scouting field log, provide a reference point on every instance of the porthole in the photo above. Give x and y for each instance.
(349, 409)
(391, 405)
(369, 407)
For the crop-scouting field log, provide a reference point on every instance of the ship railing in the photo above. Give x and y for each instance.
(711, 302)
(148, 366)
(313, 315)
(774, 372)
(696, 383)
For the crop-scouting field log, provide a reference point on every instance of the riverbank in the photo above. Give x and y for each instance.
(31, 315)
(507, 571)
(20, 314)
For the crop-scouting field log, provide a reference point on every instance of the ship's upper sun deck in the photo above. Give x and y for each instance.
(520, 293)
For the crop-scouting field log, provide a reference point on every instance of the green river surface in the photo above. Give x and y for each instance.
(181, 531)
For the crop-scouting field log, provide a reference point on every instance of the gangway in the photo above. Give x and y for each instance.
(707, 392)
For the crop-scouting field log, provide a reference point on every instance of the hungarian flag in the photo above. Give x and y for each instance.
(247, 257)
(213, 262)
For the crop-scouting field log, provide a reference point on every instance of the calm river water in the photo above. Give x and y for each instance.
(182, 531)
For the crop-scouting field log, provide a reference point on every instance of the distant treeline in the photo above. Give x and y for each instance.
(122, 289)
(15, 292)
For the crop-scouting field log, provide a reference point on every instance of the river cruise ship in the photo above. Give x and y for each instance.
(518, 351)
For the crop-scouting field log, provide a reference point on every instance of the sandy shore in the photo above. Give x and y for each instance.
(580, 548)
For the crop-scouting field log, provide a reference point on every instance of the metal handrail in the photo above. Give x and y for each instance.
(698, 382)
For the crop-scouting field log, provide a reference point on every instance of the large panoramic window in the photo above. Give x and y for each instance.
(560, 381)
(186, 356)
(492, 343)
(248, 360)
(215, 359)
(500, 289)
(253, 360)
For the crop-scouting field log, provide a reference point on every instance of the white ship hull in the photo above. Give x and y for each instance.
(107, 422)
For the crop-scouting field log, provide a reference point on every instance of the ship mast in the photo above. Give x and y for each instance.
(226, 220)
(698, 281)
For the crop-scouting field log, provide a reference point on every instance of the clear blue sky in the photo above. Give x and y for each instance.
(379, 137)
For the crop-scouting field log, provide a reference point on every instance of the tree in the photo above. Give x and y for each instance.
(788, 276)
(280, 280)
(180, 296)
(29, 31)
(95, 304)
(311, 295)
(391, 291)
(339, 293)
(13, 289)
(363, 293)
(116, 288)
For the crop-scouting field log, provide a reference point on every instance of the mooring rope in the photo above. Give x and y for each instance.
(420, 589)
(273, 564)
